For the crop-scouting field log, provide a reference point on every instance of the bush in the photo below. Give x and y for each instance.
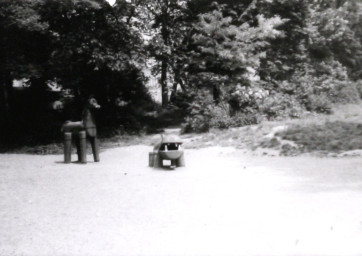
(344, 92)
(199, 117)
(318, 103)
(279, 105)
(314, 87)
(358, 85)
(220, 117)
(197, 123)
(243, 119)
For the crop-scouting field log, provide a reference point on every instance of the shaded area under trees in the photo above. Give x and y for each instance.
(220, 64)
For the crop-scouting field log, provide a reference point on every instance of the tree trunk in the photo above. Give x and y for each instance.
(177, 81)
(173, 92)
(4, 97)
(339, 3)
(6, 86)
(164, 64)
(182, 86)
(216, 93)
(5, 93)
(164, 88)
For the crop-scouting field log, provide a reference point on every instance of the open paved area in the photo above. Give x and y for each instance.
(224, 202)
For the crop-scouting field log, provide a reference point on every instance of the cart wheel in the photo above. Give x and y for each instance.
(157, 161)
(181, 161)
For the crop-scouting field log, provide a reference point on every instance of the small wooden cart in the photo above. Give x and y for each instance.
(167, 149)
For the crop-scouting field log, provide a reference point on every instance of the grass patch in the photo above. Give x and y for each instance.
(331, 136)
(319, 134)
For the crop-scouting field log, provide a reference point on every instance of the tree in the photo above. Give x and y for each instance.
(334, 33)
(86, 38)
(285, 54)
(23, 45)
(86, 46)
(163, 23)
(227, 53)
(23, 52)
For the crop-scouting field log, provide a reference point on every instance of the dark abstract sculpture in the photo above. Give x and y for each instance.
(167, 149)
(86, 128)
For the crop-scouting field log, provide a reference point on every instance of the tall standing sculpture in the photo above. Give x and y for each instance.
(86, 128)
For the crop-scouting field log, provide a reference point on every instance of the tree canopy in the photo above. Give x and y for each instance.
(223, 63)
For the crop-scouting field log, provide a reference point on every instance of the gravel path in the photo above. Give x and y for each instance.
(224, 202)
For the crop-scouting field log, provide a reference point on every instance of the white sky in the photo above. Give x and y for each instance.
(111, 2)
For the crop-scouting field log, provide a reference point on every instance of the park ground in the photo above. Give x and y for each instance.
(228, 200)
(224, 202)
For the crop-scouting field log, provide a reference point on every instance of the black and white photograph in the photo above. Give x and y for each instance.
(180, 127)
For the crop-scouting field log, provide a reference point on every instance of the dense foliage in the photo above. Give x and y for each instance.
(273, 59)
(66, 51)
(220, 64)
